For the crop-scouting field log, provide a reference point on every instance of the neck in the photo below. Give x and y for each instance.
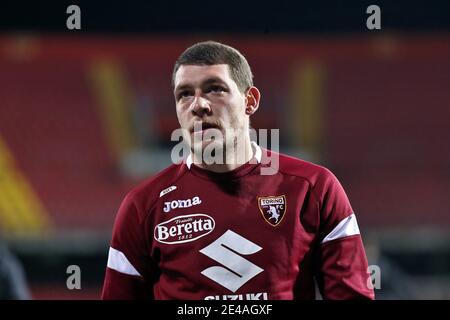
(240, 155)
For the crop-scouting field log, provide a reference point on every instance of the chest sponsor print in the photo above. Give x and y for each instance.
(185, 228)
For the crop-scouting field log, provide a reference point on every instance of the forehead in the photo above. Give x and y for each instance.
(194, 75)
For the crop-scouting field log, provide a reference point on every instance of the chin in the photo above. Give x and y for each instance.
(210, 144)
(207, 148)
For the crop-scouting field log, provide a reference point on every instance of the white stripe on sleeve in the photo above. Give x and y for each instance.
(117, 261)
(347, 227)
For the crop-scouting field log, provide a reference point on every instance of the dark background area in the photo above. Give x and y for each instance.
(253, 17)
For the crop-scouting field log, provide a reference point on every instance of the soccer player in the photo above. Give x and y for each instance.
(223, 229)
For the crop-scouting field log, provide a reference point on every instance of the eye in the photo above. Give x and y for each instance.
(183, 94)
(216, 89)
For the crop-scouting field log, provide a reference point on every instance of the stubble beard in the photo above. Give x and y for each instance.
(229, 149)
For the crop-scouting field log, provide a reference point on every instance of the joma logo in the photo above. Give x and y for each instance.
(176, 204)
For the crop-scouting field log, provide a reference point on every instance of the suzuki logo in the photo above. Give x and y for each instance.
(238, 270)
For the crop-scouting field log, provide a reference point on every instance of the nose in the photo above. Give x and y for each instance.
(200, 106)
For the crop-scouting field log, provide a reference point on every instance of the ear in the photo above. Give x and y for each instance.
(252, 100)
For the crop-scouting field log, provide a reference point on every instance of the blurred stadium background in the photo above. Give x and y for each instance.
(85, 116)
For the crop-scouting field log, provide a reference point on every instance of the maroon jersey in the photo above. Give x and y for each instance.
(189, 233)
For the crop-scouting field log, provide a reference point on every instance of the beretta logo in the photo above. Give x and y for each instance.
(183, 229)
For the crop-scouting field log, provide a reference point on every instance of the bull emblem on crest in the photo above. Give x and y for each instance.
(272, 209)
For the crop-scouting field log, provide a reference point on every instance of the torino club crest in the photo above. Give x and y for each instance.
(272, 209)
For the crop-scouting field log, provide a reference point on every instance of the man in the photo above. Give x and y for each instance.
(222, 229)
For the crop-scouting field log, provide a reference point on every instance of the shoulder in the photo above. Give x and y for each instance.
(325, 187)
(314, 174)
(148, 191)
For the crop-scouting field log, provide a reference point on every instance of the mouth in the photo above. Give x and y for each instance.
(203, 127)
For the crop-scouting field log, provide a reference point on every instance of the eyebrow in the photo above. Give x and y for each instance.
(206, 82)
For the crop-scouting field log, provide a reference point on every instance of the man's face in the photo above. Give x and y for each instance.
(208, 95)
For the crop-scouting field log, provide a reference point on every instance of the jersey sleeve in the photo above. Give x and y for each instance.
(341, 262)
(129, 270)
